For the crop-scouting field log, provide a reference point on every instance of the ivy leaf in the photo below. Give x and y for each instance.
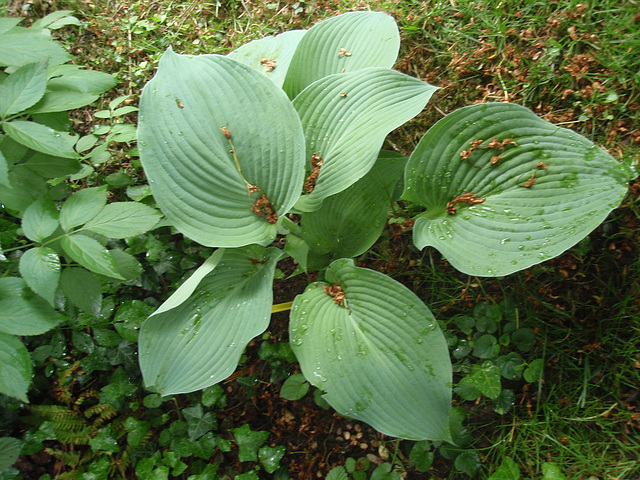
(118, 389)
(383, 472)
(534, 372)
(248, 442)
(511, 366)
(137, 430)
(294, 388)
(105, 441)
(486, 346)
(129, 318)
(270, 457)
(198, 421)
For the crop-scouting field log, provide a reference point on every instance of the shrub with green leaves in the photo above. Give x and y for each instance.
(55, 248)
(294, 124)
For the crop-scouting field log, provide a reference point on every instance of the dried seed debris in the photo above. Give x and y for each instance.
(336, 292)
(467, 197)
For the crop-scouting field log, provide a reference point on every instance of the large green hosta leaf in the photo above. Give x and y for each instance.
(544, 190)
(270, 55)
(350, 222)
(380, 357)
(192, 173)
(196, 337)
(346, 118)
(345, 43)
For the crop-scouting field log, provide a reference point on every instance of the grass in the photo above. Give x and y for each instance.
(577, 64)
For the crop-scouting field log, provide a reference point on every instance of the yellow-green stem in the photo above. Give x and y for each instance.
(281, 307)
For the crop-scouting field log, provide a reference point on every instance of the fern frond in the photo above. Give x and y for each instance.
(68, 458)
(75, 437)
(104, 411)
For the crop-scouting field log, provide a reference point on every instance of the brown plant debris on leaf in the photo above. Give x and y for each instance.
(268, 63)
(343, 51)
(336, 292)
(529, 183)
(467, 197)
(496, 144)
(264, 209)
(310, 182)
(493, 143)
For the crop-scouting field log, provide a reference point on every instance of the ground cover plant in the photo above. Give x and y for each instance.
(531, 380)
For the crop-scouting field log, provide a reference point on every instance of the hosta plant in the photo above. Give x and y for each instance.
(294, 124)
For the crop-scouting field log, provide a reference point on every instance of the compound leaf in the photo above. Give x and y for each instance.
(379, 356)
(40, 138)
(82, 206)
(82, 289)
(89, 253)
(40, 268)
(72, 87)
(23, 88)
(196, 337)
(199, 178)
(40, 219)
(16, 371)
(4, 171)
(28, 47)
(9, 451)
(123, 219)
(22, 312)
(538, 188)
